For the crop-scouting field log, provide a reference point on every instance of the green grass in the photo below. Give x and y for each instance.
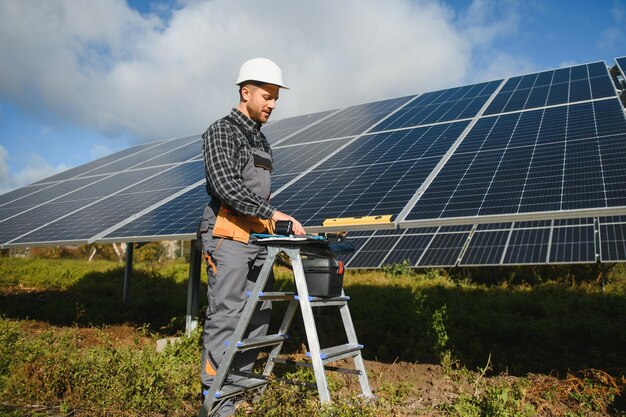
(552, 326)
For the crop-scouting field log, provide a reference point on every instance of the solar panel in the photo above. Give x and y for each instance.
(299, 158)
(52, 191)
(86, 168)
(409, 248)
(183, 153)
(441, 106)
(549, 88)
(20, 193)
(613, 239)
(372, 175)
(144, 157)
(83, 214)
(444, 249)
(373, 252)
(573, 244)
(34, 216)
(486, 247)
(565, 241)
(177, 218)
(277, 131)
(352, 121)
(520, 166)
(556, 162)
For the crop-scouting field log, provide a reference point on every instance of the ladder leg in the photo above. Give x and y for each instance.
(242, 325)
(359, 364)
(309, 325)
(284, 329)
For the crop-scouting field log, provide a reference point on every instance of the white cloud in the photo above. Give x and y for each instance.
(104, 66)
(35, 168)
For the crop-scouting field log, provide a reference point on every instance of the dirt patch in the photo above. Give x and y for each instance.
(426, 386)
(117, 335)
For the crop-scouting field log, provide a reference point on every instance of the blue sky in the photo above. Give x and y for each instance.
(99, 76)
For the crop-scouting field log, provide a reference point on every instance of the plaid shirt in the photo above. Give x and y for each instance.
(226, 151)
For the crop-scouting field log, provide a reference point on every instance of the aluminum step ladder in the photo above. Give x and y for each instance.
(225, 386)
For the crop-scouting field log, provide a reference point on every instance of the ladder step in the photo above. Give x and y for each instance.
(316, 298)
(262, 341)
(273, 296)
(310, 365)
(336, 353)
(240, 387)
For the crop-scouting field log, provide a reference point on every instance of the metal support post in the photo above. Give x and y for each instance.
(193, 289)
(128, 270)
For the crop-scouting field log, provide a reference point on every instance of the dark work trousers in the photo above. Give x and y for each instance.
(232, 268)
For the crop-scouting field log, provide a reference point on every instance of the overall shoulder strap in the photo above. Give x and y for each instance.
(242, 129)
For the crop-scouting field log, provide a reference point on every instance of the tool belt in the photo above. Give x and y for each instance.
(236, 226)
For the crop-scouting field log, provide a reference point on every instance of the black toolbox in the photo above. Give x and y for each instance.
(324, 276)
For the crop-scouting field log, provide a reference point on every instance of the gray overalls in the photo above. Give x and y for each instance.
(232, 269)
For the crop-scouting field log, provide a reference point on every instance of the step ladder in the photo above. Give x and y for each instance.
(224, 386)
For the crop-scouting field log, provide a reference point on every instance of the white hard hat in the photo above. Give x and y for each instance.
(262, 70)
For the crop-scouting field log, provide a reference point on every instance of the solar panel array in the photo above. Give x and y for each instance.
(517, 171)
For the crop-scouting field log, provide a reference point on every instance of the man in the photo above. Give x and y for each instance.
(238, 163)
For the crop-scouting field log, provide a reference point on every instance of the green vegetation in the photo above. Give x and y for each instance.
(526, 328)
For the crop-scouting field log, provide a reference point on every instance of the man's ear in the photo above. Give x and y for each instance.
(244, 92)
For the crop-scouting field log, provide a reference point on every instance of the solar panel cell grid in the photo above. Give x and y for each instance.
(297, 159)
(174, 178)
(359, 181)
(87, 168)
(548, 88)
(352, 121)
(567, 167)
(280, 129)
(144, 157)
(38, 217)
(409, 247)
(347, 257)
(485, 248)
(51, 192)
(373, 252)
(108, 185)
(613, 242)
(573, 245)
(441, 106)
(9, 199)
(184, 153)
(179, 216)
(527, 246)
(519, 158)
(444, 249)
(93, 219)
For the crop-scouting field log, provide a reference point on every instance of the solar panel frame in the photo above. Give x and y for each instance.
(620, 62)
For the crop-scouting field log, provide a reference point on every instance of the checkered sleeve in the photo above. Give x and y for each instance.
(222, 153)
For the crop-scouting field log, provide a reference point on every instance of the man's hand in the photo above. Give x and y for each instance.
(297, 227)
